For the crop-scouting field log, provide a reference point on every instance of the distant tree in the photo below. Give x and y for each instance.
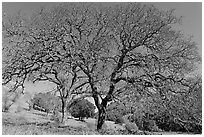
(35, 49)
(9, 98)
(46, 101)
(82, 109)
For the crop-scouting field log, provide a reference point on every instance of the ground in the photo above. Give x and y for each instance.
(38, 123)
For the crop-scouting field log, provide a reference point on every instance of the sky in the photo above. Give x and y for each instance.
(190, 11)
(191, 22)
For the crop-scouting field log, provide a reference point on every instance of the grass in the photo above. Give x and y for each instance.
(35, 123)
(50, 129)
(32, 129)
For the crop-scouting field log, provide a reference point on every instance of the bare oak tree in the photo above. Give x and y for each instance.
(35, 50)
(104, 50)
(141, 50)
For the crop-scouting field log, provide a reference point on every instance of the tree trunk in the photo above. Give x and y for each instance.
(63, 109)
(101, 107)
(101, 117)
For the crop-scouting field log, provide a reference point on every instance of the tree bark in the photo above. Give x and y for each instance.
(101, 108)
(101, 116)
(63, 109)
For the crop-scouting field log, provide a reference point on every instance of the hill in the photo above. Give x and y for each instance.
(14, 123)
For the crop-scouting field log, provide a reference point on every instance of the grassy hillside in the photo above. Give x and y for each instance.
(38, 123)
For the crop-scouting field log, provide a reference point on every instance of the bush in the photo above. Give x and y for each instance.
(165, 122)
(114, 116)
(55, 117)
(47, 102)
(144, 121)
(193, 127)
(150, 125)
(138, 119)
(82, 109)
(115, 111)
(112, 132)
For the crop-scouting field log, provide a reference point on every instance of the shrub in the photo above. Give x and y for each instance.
(166, 122)
(193, 127)
(46, 101)
(82, 109)
(150, 125)
(114, 116)
(55, 117)
(115, 111)
(138, 118)
(112, 132)
(144, 121)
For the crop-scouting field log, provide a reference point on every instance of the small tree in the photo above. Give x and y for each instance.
(47, 101)
(82, 109)
(33, 52)
(9, 98)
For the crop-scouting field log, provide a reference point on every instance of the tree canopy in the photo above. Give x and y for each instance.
(104, 51)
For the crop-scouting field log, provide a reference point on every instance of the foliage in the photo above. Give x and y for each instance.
(22, 126)
(115, 111)
(33, 52)
(166, 123)
(150, 125)
(178, 111)
(112, 132)
(114, 116)
(56, 117)
(82, 108)
(47, 101)
(9, 98)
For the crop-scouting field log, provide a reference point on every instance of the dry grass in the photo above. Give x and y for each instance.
(26, 123)
(43, 130)
(37, 123)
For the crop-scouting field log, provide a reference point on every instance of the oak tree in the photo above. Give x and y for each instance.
(136, 47)
(105, 50)
(35, 49)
